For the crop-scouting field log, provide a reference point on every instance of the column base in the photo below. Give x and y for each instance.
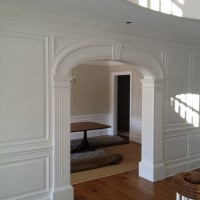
(64, 194)
(152, 172)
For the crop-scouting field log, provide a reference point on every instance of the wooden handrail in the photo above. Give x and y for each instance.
(187, 184)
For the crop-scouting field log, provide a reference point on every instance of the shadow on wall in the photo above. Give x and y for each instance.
(187, 106)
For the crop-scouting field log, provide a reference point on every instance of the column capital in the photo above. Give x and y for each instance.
(61, 81)
(152, 83)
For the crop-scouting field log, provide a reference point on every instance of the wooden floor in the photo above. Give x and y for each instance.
(125, 186)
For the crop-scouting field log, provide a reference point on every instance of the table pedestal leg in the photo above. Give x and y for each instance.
(84, 146)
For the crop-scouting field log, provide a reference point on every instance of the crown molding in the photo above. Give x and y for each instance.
(61, 23)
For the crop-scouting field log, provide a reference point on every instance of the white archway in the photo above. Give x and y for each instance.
(151, 166)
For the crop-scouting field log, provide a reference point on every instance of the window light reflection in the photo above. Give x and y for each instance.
(181, 1)
(176, 10)
(155, 5)
(187, 106)
(165, 6)
(143, 3)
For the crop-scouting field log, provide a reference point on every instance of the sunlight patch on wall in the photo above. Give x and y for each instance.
(143, 3)
(176, 10)
(173, 7)
(155, 5)
(187, 106)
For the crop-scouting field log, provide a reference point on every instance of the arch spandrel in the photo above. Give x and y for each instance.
(85, 52)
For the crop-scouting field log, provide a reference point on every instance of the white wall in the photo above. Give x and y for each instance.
(25, 141)
(29, 48)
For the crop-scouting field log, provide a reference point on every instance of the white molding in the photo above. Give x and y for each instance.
(190, 160)
(194, 143)
(99, 118)
(67, 43)
(25, 144)
(173, 139)
(47, 20)
(191, 60)
(116, 51)
(136, 124)
(152, 130)
(12, 163)
(153, 173)
(62, 193)
(62, 148)
(150, 69)
(136, 133)
(186, 165)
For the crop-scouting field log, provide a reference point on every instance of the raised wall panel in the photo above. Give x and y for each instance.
(196, 74)
(178, 82)
(23, 88)
(24, 175)
(195, 141)
(176, 148)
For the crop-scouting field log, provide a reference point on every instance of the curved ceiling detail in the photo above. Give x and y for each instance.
(120, 15)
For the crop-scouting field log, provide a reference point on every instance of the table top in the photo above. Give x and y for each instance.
(85, 126)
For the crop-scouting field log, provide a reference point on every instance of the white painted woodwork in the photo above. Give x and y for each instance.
(35, 113)
(62, 149)
(151, 165)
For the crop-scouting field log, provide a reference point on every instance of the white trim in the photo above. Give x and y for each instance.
(99, 118)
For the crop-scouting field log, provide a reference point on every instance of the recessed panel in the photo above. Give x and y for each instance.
(176, 148)
(195, 144)
(22, 88)
(178, 67)
(23, 178)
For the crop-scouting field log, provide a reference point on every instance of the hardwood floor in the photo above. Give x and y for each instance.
(125, 186)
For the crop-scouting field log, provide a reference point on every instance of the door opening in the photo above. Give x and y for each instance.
(123, 105)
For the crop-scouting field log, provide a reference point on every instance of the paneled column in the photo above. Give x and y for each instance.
(152, 166)
(62, 187)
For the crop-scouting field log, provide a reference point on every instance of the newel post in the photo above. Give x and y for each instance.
(152, 165)
(61, 102)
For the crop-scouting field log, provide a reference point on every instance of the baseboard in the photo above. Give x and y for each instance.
(152, 172)
(65, 193)
(180, 167)
(136, 138)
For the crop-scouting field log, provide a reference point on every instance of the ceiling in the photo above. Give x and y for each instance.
(113, 13)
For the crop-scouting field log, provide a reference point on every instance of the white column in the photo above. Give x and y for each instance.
(62, 187)
(152, 166)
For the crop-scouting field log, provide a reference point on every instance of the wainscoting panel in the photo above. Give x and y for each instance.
(136, 130)
(182, 150)
(176, 147)
(99, 118)
(195, 144)
(25, 175)
(24, 101)
(176, 61)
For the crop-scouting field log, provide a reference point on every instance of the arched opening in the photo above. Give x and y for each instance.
(151, 166)
(95, 97)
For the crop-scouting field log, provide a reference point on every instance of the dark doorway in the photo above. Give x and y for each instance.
(123, 105)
